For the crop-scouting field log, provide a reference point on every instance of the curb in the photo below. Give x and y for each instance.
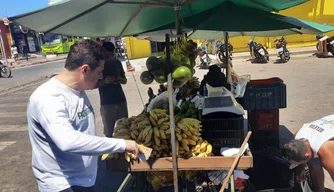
(36, 63)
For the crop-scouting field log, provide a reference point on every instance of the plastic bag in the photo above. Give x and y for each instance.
(305, 187)
(161, 101)
(238, 84)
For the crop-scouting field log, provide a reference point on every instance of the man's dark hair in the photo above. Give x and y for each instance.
(97, 39)
(85, 52)
(109, 46)
(295, 150)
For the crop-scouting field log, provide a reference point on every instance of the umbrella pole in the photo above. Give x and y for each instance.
(227, 57)
(171, 114)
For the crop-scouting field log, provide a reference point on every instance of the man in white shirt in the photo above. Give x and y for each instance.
(61, 124)
(313, 145)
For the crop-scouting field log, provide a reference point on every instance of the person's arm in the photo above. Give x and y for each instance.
(326, 154)
(122, 79)
(54, 119)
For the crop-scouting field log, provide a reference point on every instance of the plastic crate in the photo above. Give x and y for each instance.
(265, 81)
(222, 121)
(267, 96)
(263, 120)
(264, 139)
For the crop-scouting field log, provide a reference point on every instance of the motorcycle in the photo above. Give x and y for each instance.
(260, 53)
(203, 55)
(330, 43)
(221, 53)
(4, 71)
(283, 52)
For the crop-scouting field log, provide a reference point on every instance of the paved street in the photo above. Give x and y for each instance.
(310, 89)
(31, 73)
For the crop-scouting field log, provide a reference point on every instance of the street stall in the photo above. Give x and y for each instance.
(175, 130)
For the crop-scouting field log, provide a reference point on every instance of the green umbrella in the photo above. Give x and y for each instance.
(125, 17)
(129, 17)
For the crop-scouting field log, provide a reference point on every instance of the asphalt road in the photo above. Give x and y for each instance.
(31, 73)
(310, 89)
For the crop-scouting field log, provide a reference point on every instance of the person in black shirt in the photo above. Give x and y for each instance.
(112, 98)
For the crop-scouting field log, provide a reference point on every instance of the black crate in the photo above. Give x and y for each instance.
(264, 139)
(223, 134)
(271, 96)
(222, 121)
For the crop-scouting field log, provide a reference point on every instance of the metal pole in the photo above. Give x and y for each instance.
(171, 113)
(3, 49)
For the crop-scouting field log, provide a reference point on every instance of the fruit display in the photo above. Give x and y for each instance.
(187, 110)
(183, 56)
(153, 130)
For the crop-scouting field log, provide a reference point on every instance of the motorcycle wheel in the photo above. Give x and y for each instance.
(221, 56)
(317, 46)
(5, 72)
(283, 58)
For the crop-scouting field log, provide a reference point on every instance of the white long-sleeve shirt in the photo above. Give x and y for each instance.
(61, 125)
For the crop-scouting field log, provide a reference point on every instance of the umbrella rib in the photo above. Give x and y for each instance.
(132, 18)
(77, 16)
(300, 33)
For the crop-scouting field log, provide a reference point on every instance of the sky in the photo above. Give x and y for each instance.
(10, 8)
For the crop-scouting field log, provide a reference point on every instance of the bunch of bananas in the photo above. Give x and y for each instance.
(159, 178)
(189, 143)
(191, 88)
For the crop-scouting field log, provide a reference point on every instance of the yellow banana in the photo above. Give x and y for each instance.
(153, 115)
(149, 136)
(191, 142)
(184, 142)
(186, 148)
(153, 121)
(104, 157)
(157, 140)
(187, 133)
(202, 155)
(146, 131)
(158, 148)
(156, 132)
(164, 127)
(162, 134)
(179, 137)
(177, 146)
(194, 138)
(162, 120)
(133, 136)
(204, 144)
(208, 149)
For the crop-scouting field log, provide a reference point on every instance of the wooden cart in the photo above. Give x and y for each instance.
(194, 163)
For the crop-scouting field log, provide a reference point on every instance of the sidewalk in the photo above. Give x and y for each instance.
(34, 59)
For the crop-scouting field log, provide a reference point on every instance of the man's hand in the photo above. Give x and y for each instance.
(111, 80)
(132, 147)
